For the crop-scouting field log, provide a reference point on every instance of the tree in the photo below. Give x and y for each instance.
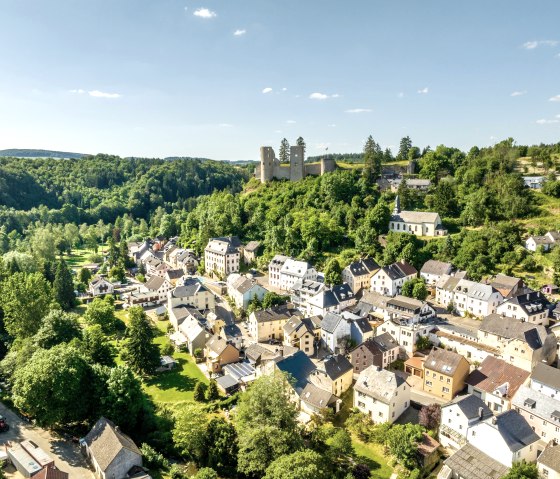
(101, 312)
(284, 152)
(555, 257)
(404, 147)
(340, 444)
(271, 299)
(124, 399)
(402, 442)
(373, 157)
(423, 343)
(212, 392)
(221, 447)
(301, 142)
(54, 386)
(141, 353)
(58, 327)
(206, 473)
(361, 471)
(430, 416)
(117, 273)
(25, 300)
(84, 275)
(63, 286)
(97, 347)
(333, 272)
(522, 470)
(189, 432)
(306, 464)
(420, 291)
(199, 393)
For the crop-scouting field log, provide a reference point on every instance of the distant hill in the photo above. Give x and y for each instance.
(24, 153)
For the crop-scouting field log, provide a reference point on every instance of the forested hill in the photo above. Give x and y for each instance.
(25, 153)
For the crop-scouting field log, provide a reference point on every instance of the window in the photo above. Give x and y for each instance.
(445, 390)
(361, 404)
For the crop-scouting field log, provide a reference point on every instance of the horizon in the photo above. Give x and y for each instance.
(215, 80)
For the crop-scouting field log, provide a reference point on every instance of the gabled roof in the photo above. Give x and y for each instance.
(547, 375)
(514, 429)
(416, 217)
(278, 260)
(252, 246)
(374, 299)
(298, 326)
(433, 266)
(216, 344)
(51, 473)
(298, 366)
(537, 403)
(443, 361)
(174, 273)
(530, 303)
(362, 267)
(471, 406)
(510, 328)
(331, 321)
(399, 270)
(154, 283)
(296, 268)
(336, 366)
(190, 287)
(495, 374)
(105, 441)
(378, 383)
(224, 245)
(363, 325)
(478, 291)
(471, 463)
(403, 302)
(550, 457)
(342, 292)
(274, 314)
(316, 397)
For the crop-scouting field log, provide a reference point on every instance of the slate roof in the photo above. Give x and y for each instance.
(443, 361)
(224, 245)
(511, 328)
(403, 302)
(494, 373)
(550, 457)
(514, 429)
(505, 284)
(547, 375)
(308, 286)
(316, 397)
(174, 273)
(336, 366)
(298, 325)
(363, 325)
(470, 462)
(243, 284)
(399, 270)
(274, 314)
(232, 331)
(154, 283)
(470, 406)
(216, 344)
(385, 342)
(331, 321)
(472, 289)
(374, 299)
(380, 384)
(530, 303)
(298, 366)
(543, 406)
(362, 267)
(278, 260)
(448, 283)
(191, 287)
(342, 292)
(105, 441)
(252, 246)
(415, 217)
(433, 266)
(296, 268)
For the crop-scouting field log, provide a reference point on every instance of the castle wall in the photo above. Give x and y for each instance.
(281, 171)
(327, 165)
(297, 169)
(313, 169)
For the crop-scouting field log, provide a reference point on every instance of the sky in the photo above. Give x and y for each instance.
(219, 79)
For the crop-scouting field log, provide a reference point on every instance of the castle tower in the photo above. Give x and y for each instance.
(327, 165)
(267, 163)
(297, 167)
(397, 208)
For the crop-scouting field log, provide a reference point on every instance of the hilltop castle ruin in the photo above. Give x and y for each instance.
(270, 167)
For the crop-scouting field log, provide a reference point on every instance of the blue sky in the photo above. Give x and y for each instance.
(220, 78)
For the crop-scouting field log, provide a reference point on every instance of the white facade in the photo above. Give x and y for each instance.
(221, 257)
(383, 283)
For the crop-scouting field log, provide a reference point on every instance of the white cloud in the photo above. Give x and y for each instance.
(400, 94)
(225, 125)
(332, 125)
(423, 91)
(267, 90)
(318, 96)
(277, 131)
(284, 89)
(358, 110)
(204, 13)
(78, 90)
(557, 116)
(336, 95)
(290, 122)
(546, 122)
(518, 93)
(102, 94)
(186, 9)
(239, 32)
(554, 98)
(531, 45)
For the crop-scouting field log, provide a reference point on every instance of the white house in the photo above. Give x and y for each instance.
(285, 272)
(158, 286)
(546, 379)
(433, 270)
(410, 309)
(242, 290)
(222, 256)
(303, 291)
(420, 223)
(417, 184)
(406, 333)
(358, 274)
(381, 394)
(532, 307)
(335, 299)
(155, 266)
(547, 241)
(100, 286)
(548, 462)
(458, 417)
(389, 279)
(508, 436)
(192, 293)
(334, 328)
(476, 299)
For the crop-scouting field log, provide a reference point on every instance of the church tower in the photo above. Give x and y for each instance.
(397, 208)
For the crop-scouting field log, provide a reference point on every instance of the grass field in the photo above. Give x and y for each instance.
(80, 256)
(372, 455)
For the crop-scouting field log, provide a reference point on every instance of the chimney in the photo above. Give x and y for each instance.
(494, 420)
(480, 412)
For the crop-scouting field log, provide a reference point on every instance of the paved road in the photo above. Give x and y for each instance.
(65, 453)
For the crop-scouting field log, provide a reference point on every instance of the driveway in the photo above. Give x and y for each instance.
(66, 454)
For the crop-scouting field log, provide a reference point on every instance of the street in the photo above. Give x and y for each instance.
(66, 454)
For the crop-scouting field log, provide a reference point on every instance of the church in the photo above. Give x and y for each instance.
(420, 223)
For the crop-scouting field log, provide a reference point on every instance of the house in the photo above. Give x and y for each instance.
(173, 275)
(420, 223)
(195, 334)
(409, 309)
(250, 252)
(285, 272)
(372, 305)
(222, 256)
(193, 293)
(458, 417)
(267, 324)
(137, 248)
(463, 341)
(546, 379)
(335, 299)
(232, 334)
(508, 436)
(508, 286)
(475, 299)
(541, 411)
(534, 182)
(236, 376)
(496, 382)
(427, 452)
(548, 462)
(358, 274)
(547, 241)
(471, 463)
(111, 452)
(167, 363)
(389, 279)
(155, 266)
(333, 374)
(417, 184)
(185, 259)
(445, 290)
(407, 333)
(314, 400)
(300, 333)
(531, 307)
(379, 351)
(360, 329)
(445, 373)
(158, 286)
(243, 290)
(303, 291)
(260, 355)
(334, 329)
(433, 270)
(178, 315)
(381, 394)
(100, 286)
(218, 353)
(519, 343)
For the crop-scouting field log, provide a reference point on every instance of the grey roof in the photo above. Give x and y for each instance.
(362, 267)
(415, 217)
(252, 246)
(105, 441)
(191, 287)
(385, 342)
(494, 373)
(243, 284)
(174, 273)
(433, 266)
(514, 429)
(363, 325)
(470, 405)
(263, 352)
(531, 303)
(403, 302)
(336, 366)
(331, 321)
(232, 331)
(317, 397)
(550, 457)
(239, 370)
(223, 245)
(216, 344)
(443, 361)
(399, 270)
(299, 326)
(227, 381)
(298, 367)
(448, 283)
(274, 314)
(547, 375)
(380, 384)
(370, 300)
(308, 286)
(471, 463)
(278, 260)
(154, 283)
(543, 406)
(511, 328)
(472, 289)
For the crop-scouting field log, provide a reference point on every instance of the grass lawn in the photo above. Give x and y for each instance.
(372, 455)
(80, 256)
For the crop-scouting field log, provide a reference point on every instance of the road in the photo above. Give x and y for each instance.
(66, 454)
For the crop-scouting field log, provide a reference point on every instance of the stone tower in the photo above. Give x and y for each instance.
(297, 167)
(267, 163)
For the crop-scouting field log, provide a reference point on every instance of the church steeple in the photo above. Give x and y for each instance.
(397, 208)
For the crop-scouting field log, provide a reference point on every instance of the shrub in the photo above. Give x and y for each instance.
(152, 458)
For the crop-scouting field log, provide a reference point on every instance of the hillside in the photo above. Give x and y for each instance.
(26, 153)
